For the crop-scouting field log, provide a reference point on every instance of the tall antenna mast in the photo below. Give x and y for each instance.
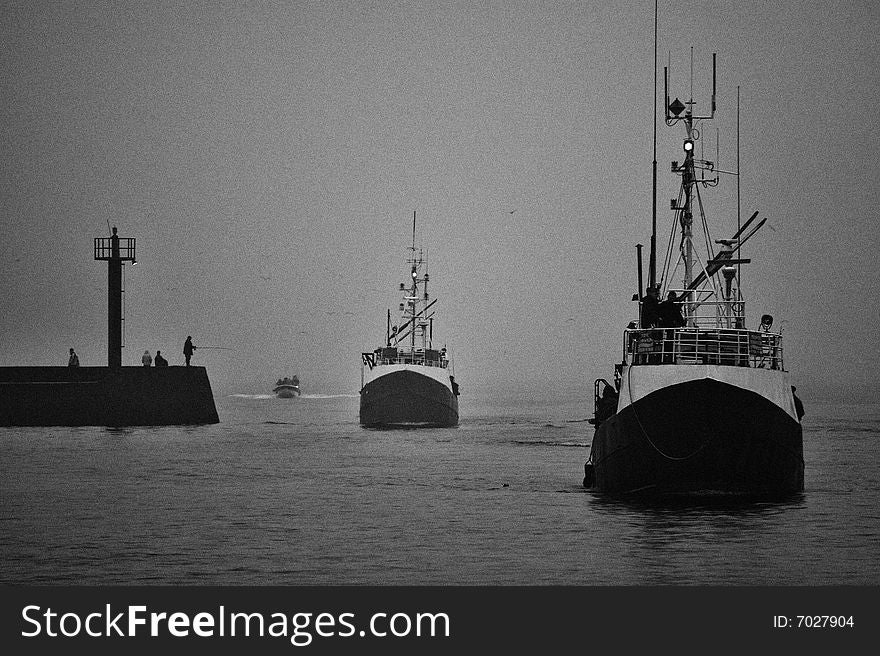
(738, 219)
(415, 287)
(689, 194)
(652, 272)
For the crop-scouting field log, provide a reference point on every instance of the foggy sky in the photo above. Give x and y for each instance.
(267, 157)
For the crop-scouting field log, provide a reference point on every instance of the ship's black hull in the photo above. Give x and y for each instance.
(700, 436)
(405, 398)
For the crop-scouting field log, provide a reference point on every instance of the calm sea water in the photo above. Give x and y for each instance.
(294, 492)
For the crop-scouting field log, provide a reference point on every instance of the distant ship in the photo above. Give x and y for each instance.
(699, 402)
(287, 388)
(407, 382)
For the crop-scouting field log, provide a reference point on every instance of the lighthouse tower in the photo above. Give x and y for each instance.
(116, 251)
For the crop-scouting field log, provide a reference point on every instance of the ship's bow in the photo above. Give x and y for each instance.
(408, 395)
(719, 430)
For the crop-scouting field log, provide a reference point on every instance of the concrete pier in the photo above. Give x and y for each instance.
(105, 396)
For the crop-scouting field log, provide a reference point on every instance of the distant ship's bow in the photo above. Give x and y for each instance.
(401, 395)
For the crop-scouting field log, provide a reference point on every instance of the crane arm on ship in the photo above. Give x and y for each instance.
(403, 326)
(725, 256)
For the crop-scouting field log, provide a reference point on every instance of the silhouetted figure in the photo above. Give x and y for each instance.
(669, 317)
(650, 309)
(74, 359)
(146, 359)
(650, 318)
(160, 361)
(607, 404)
(188, 349)
(618, 374)
(669, 312)
(114, 243)
(798, 406)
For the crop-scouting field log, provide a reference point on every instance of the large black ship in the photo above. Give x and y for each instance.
(407, 382)
(699, 403)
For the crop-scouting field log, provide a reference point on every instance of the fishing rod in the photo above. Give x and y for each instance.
(223, 348)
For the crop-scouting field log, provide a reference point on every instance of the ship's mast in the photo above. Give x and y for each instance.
(652, 264)
(687, 187)
(415, 305)
(414, 292)
(689, 194)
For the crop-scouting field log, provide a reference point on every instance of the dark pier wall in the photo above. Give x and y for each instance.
(104, 396)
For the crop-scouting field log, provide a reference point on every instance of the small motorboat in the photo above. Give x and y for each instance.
(287, 388)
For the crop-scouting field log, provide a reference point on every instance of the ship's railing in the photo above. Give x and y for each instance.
(424, 357)
(730, 314)
(413, 360)
(726, 346)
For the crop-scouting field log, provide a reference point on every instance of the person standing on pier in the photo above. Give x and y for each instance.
(74, 359)
(146, 359)
(188, 349)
